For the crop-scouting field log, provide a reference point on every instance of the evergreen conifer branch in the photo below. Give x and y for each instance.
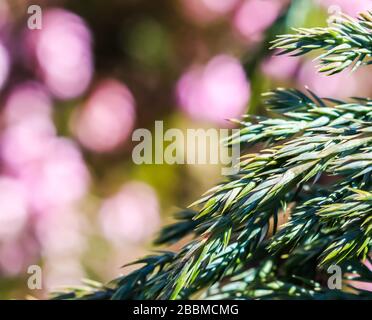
(240, 246)
(346, 42)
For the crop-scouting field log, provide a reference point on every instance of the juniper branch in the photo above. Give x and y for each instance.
(236, 250)
(347, 42)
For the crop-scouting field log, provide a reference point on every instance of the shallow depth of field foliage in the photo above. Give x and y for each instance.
(299, 205)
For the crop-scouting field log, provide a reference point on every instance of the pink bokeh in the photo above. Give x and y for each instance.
(17, 254)
(222, 6)
(350, 7)
(214, 92)
(132, 214)
(107, 118)
(254, 16)
(42, 175)
(27, 100)
(27, 141)
(29, 127)
(341, 85)
(62, 257)
(280, 67)
(59, 179)
(205, 11)
(13, 208)
(51, 168)
(63, 51)
(44, 178)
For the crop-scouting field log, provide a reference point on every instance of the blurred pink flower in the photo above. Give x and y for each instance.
(341, 85)
(13, 208)
(4, 65)
(130, 215)
(63, 50)
(280, 67)
(52, 168)
(255, 16)
(27, 100)
(215, 92)
(107, 118)
(350, 7)
(61, 258)
(12, 258)
(62, 223)
(26, 141)
(221, 6)
(197, 11)
(17, 254)
(43, 176)
(205, 11)
(59, 179)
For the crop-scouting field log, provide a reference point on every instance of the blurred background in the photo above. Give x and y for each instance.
(72, 92)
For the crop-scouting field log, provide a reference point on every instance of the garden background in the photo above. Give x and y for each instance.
(72, 92)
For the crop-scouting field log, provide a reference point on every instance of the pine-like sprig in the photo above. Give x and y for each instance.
(301, 204)
(346, 42)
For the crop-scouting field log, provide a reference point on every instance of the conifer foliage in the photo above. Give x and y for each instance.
(300, 205)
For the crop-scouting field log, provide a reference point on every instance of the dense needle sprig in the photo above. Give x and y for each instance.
(347, 42)
(301, 204)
